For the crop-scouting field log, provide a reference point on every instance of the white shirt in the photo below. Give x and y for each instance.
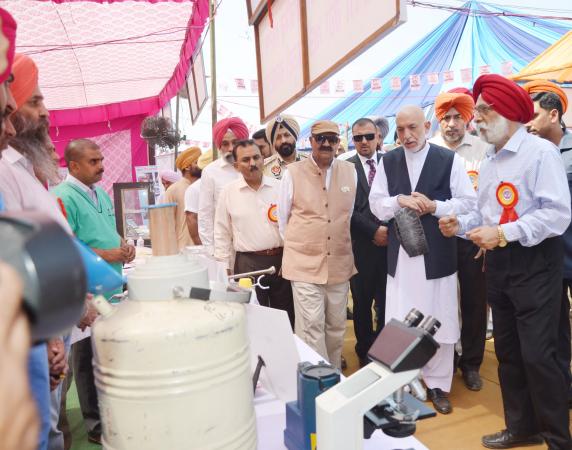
(245, 219)
(21, 190)
(214, 177)
(366, 166)
(286, 193)
(471, 149)
(463, 199)
(192, 197)
(534, 166)
(90, 191)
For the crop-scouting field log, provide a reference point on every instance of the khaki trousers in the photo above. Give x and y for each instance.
(320, 311)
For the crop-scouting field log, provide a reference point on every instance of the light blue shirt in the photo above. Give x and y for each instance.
(535, 168)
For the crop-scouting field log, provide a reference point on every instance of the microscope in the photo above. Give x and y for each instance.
(375, 397)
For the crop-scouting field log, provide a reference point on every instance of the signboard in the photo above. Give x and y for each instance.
(312, 39)
(195, 89)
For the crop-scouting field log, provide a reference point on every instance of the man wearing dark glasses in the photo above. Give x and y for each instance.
(369, 241)
(315, 206)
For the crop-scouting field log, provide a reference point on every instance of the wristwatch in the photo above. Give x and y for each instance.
(502, 238)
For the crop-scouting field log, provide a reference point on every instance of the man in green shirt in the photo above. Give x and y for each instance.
(91, 216)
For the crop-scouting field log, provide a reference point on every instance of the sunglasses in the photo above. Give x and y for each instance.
(359, 137)
(321, 138)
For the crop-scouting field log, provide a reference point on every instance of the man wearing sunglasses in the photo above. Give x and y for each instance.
(431, 181)
(369, 241)
(315, 206)
(282, 133)
(454, 111)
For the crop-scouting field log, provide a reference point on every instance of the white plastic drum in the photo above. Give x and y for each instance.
(174, 375)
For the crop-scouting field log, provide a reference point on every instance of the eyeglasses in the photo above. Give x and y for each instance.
(321, 138)
(483, 110)
(359, 137)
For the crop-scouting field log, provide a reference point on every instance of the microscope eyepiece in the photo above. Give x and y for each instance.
(413, 318)
(430, 325)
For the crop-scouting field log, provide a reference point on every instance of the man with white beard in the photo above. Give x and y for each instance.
(523, 207)
(432, 181)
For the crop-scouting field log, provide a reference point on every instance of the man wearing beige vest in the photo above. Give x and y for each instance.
(315, 206)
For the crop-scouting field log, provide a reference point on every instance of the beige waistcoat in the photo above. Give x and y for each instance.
(317, 244)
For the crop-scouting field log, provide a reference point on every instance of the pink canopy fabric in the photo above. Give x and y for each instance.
(106, 65)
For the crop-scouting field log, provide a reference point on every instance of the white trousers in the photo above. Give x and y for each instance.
(438, 372)
(320, 311)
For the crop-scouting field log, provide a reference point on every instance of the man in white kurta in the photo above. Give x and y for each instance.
(410, 286)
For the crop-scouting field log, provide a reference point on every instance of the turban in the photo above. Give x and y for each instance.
(461, 102)
(205, 159)
(234, 124)
(169, 175)
(7, 44)
(288, 122)
(25, 79)
(505, 96)
(187, 158)
(533, 87)
(460, 90)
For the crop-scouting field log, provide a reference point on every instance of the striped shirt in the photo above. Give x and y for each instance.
(534, 166)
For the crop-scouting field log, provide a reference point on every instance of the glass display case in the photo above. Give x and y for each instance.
(131, 214)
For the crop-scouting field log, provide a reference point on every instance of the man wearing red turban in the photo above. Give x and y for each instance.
(7, 48)
(454, 110)
(226, 133)
(522, 210)
(550, 102)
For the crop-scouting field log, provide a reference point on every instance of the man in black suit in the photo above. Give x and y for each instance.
(369, 240)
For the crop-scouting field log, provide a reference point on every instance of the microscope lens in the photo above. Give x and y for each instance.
(413, 318)
(431, 325)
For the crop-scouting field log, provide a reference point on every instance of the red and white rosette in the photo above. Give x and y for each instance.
(507, 196)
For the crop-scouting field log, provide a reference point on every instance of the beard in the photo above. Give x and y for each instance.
(496, 131)
(286, 149)
(453, 138)
(33, 141)
(196, 172)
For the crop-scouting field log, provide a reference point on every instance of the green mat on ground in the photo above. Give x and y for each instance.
(79, 433)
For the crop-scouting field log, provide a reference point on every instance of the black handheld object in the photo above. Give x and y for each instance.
(51, 268)
(410, 232)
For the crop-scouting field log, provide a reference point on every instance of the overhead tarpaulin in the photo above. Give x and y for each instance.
(554, 63)
(478, 38)
(106, 65)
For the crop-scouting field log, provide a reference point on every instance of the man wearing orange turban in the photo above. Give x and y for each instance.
(523, 208)
(536, 86)
(226, 133)
(187, 163)
(454, 111)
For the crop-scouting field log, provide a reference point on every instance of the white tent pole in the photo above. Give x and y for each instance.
(214, 117)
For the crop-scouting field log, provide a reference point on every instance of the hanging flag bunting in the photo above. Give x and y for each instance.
(448, 76)
(357, 85)
(395, 84)
(254, 86)
(483, 70)
(433, 78)
(466, 75)
(376, 85)
(240, 84)
(325, 87)
(415, 82)
(506, 68)
(205, 144)
(340, 86)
